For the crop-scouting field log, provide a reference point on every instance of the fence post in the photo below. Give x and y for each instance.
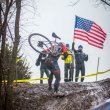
(97, 67)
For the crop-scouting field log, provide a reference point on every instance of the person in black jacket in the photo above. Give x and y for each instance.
(80, 57)
(43, 68)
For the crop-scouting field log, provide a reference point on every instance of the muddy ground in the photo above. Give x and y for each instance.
(81, 96)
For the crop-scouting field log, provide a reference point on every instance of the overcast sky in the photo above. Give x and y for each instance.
(59, 16)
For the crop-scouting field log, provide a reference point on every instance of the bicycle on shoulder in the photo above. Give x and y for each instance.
(41, 43)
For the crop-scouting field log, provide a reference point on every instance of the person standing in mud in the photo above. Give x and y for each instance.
(80, 57)
(52, 65)
(68, 73)
(43, 68)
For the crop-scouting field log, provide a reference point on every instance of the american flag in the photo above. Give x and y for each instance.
(90, 32)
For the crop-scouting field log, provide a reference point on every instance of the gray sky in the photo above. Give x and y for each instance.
(57, 16)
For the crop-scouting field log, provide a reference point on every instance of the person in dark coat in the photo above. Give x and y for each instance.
(43, 68)
(80, 58)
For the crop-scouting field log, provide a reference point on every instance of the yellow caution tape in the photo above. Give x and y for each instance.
(29, 80)
(17, 60)
(89, 75)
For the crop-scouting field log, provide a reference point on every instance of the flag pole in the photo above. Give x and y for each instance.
(74, 29)
(73, 55)
(97, 67)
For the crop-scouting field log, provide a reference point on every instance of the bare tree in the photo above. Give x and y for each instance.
(2, 42)
(104, 2)
(8, 10)
(107, 2)
(8, 93)
(0, 60)
(13, 58)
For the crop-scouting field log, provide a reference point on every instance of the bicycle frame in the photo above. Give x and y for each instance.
(52, 47)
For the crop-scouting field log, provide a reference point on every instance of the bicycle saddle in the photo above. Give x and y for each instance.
(55, 36)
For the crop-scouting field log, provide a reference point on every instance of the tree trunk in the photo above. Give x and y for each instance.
(0, 62)
(14, 55)
(2, 53)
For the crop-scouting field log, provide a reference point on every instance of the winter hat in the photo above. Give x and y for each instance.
(67, 45)
(80, 46)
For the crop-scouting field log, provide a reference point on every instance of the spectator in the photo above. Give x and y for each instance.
(68, 70)
(80, 57)
(43, 68)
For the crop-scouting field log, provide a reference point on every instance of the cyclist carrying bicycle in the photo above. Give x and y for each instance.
(53, 51)
(52, 65)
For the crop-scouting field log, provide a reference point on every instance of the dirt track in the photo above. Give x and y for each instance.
(81, 96)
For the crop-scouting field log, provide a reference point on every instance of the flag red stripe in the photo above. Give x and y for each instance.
(99, 28)
(88, 42)
(89, 38)
(90, 33)
(81, 38)
(97, 35)
(97, 31)
(80, 31)
(101, 47)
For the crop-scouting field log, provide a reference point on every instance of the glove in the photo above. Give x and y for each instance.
(65, 55)
(86, 58)
(37, 63)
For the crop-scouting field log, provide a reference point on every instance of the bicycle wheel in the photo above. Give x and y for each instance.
(39, 42)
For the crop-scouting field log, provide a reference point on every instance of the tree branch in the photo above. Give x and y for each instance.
(104, 1)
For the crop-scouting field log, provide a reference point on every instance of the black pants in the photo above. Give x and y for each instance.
(80, 67)
(68, 76)
(42, 71)
(56, 73)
